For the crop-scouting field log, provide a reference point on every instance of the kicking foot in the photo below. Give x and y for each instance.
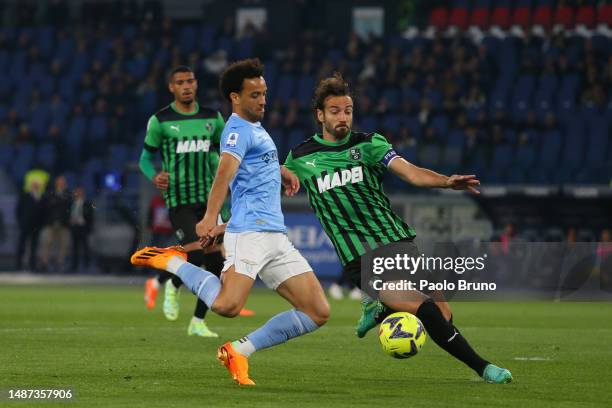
(157, 258)
(496, 375)
(236, 363)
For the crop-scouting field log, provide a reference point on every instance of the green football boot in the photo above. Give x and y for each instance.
(171, 306)
(199, 328)
(496, 375)
(370, 311)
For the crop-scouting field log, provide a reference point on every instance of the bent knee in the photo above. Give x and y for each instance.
(320, 315)
(226, 309)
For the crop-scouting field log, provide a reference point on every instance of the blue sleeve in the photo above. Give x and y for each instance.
(236, 142)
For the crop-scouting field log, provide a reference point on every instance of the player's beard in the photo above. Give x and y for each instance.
(188, 101)
(338, 133)
(254, 116)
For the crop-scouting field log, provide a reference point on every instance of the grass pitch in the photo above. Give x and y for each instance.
(101, 342)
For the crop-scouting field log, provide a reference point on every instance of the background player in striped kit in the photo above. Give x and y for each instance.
(187, 136)
(342, 172)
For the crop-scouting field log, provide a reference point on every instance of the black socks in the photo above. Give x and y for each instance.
(448, 337)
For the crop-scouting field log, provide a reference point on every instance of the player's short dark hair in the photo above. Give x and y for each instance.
(332, 86)
(234, 75)
(176, 70)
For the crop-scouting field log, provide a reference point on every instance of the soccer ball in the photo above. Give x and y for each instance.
(401, 335)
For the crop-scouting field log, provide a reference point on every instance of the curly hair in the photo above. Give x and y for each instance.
(232, 78)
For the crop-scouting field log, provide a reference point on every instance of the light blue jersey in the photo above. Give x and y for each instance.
(256, 188)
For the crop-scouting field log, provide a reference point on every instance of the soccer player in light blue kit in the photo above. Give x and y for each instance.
(255, 239)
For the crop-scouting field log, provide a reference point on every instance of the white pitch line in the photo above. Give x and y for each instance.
(532, 359)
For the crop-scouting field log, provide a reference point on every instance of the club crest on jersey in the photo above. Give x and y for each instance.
(192, 146)
(232, 139)
(355, 153)
(208, 127)
(340, 178)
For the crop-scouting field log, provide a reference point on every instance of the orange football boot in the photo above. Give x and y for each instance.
(157, 258)
(236, 363)
(246, 312)
(150, 294)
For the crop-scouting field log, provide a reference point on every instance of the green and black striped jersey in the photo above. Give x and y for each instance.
(344, 184)
(186, 141)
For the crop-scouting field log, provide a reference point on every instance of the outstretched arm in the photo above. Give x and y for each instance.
(421, 177)
(228, 165)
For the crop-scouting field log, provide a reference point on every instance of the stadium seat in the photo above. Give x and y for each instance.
(574, 146)
(429, 156)
(521, 98)
(439, 123)
(586, 16)
(295, 137)
(500, 17)
(45, 154)
(564, 16)
(305, 85)
(117, 156)
(369, 123)
(207, 38)
(598, 141)
(6, 155)
(500, 162)
(392, 96)
(458, 18)
(521, 17)
(543, 16)
(604, 16)
(279, 140)
(391, 123)
(439, 18)
(244, 48)
(22, 161)
(98, 129)
(409, 153)
(451, 159)
(286, 85)
(525, 155)
(187, 38)
(456, 139)
(479, 18)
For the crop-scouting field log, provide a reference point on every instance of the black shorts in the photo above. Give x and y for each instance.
(184, 219)
(352, 270)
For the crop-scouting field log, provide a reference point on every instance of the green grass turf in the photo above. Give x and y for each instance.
(101, 342)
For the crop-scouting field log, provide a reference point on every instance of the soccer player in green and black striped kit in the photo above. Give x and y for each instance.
(342, 172)
(187, 136)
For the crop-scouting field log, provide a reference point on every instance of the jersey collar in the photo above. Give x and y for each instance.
(320, 139)
(257, 124)
(197, 109)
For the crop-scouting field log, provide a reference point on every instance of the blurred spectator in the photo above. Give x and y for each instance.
(55, 234)
(571, 235)
(36, 175)
(81, 225)
(159, 222)
(30, 214)
(215, 63)
(507, 237)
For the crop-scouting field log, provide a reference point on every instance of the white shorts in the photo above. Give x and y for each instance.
(268, 254)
